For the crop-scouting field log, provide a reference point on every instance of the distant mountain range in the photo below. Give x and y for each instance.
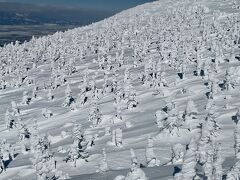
(29, 14)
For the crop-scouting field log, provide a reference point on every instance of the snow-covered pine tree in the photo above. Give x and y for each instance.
(44, 164)
(47, 113)
(15, 109)
(9, 120)
(26, 99)
(234, 172)
(190, 116)
(135, 171)
(217, 162)
(177, 153)
(237, 140)
(150, 155)
(228, 84)
(69, 100)
(190, 161)
(7, 153)
(237, 116)
(78, 148)
(50, 96)
(117, 137)
(34, 92)
(95, 115)
(191, 110)
(208, 165)
(161, 118)
(103, 165)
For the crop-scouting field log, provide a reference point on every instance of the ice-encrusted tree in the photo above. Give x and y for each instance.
(69, 100)
(217, 162)
(44, 164)
(43, 161)
(132, 102)
(103, 165)
(26, 99)
(78, 148)
(34, 92)
(47, 113)
(237, 116)
(214, 89)
(211, 124)
(237, 140)
(117, 137)
(189, 162)
(177, 153)
(161, 119)
(15, 109)
(9, 120)
(234, 172)
(190, 116)
(150, 155)
(135, 171)
(24, 136)
(228, 83)
(191, 110)
(208, 165)
(7, 153)
(60, 175)
(95, 115)
(50, 96)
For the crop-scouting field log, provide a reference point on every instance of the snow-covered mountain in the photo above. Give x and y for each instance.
(150, 93)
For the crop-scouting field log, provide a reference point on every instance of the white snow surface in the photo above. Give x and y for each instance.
(134, 26)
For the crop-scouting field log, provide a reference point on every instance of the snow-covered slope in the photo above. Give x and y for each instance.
(154, 76)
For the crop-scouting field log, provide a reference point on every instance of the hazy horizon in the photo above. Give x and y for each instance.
(21, 19)
(90, 4)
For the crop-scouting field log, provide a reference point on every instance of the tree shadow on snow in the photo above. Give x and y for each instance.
(6, 163)
(176, 170)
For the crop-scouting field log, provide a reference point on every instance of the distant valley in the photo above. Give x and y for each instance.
(21, 21)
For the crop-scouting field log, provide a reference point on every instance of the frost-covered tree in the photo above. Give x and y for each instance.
(237, 140)
(177, 153)
(44, 163)
(24, 136)
(211, 124)
(234, 172)
(135, 171)
(208, 165)
(78, 148)
(60, 175)
(15, 109)
(34, 92)
(217, 162)
(228, 83)
(69, 100)
(214, 89)
(103, 165)
(160, 119)
(117, 137)
(9, 120)
(191, 110)
(237, 116)
(50, 96)
(46, 113)
(210, 104)
(150, 155)
(189, 161)
(95, 115)
(7, 153)
(26, 99)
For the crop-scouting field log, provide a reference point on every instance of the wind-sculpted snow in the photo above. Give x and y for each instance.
(150, 93)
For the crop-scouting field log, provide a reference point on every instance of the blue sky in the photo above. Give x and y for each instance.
(94, 4)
